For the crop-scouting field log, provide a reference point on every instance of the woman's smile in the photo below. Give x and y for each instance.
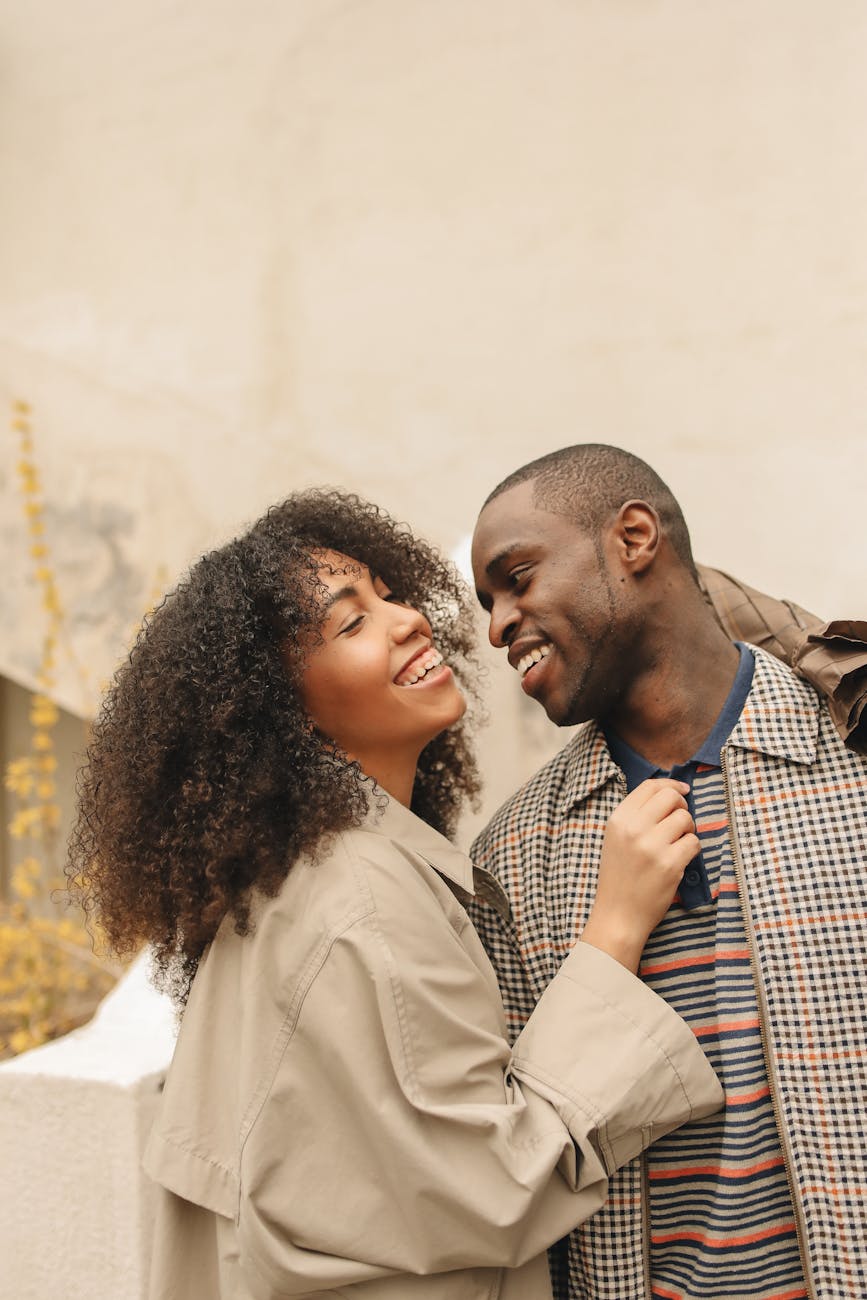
(371, 643)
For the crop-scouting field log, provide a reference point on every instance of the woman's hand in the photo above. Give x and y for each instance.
(649, 840)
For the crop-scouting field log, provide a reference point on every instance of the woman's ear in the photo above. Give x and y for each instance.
(637, 535)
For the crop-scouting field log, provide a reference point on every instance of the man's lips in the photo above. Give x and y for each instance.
(523, 657)
(531, 661)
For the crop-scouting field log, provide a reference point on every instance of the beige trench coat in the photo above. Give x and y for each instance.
(343, 1115)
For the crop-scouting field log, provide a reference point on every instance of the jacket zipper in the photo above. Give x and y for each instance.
(645, 1225)
(760, 998)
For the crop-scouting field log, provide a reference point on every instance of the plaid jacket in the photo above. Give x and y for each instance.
(798, 817)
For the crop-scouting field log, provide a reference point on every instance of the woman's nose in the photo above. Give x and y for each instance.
(408, 622)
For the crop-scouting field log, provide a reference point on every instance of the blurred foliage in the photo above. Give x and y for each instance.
(51, 976)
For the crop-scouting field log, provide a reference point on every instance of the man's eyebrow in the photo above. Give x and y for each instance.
(497, 561)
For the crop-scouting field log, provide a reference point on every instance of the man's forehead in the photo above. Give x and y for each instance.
(513, 521)
(513, 506)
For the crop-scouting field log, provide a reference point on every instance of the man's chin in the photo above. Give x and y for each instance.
(567, 713)
(561, 713)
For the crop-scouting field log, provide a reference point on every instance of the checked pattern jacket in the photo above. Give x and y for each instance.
(797, 807)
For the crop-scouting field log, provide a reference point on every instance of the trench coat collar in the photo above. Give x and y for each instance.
(388, 817)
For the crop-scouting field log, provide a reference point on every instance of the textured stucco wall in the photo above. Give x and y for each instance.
(404, 247)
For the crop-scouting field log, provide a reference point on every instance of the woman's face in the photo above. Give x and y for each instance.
(376, 685)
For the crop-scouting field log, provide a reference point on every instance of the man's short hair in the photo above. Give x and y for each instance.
(589, 482)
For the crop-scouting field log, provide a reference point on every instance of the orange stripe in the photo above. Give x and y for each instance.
(725, 1027)
(665, 1293)
(746, 1240)
(553, 830)
(695, 1170)
(854, 1055)
(708, 960)
(794, 923)
(718, 825)
(742, 1098)
(756, 800)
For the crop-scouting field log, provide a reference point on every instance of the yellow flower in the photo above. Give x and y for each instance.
(50, 813)
(21, 1040)
(19, 777)
(25, 822)
(42, 741)
(43, 712)
(22, 885)
(39, 551)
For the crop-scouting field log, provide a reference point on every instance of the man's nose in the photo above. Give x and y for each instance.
(503, 620)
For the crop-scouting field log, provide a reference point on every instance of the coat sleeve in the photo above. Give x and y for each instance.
(401, 1135)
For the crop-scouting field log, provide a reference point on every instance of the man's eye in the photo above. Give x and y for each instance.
(519, 576)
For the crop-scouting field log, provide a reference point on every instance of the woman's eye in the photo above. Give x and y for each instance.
(519, 576)
(349, 628)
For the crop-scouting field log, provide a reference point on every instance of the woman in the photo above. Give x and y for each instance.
(269, 788)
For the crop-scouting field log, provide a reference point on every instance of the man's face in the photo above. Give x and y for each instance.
(557, 603)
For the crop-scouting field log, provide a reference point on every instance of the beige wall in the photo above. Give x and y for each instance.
(404, 247)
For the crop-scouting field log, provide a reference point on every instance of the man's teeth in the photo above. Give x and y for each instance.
(533, 657)
(420, 667)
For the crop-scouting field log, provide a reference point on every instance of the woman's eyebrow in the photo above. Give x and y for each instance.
(342, 593)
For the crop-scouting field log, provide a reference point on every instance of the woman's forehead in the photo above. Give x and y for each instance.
(335, 564)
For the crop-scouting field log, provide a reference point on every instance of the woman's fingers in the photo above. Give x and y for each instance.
(649, 840)
(658, 788)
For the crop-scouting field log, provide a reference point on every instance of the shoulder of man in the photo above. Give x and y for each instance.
(789, 715)
(832, 656)
(542, 801)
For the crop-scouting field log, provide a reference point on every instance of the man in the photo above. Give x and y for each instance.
(582, 560)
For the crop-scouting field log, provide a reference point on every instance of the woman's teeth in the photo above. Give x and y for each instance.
(534, 657)
(420, 667)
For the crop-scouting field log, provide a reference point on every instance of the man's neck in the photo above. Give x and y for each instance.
(672, 707)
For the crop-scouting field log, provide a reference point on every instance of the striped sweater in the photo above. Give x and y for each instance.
(794, 801)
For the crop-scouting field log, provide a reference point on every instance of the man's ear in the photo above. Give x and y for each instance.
(637, 534)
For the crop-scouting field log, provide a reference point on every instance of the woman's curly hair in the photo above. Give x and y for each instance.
(205, 777)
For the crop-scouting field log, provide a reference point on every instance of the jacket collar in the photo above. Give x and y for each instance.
(389, 818)
(589, 765)
(780, 718)
(781, 715)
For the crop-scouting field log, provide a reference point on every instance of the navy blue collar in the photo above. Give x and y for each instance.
(636, 768)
